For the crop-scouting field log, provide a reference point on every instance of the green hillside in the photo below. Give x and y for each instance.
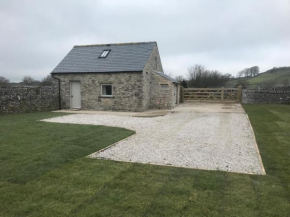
(272, 77)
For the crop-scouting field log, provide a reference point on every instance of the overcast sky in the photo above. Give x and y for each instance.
(225, 35)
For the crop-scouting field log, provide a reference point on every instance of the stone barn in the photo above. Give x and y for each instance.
(117, 77)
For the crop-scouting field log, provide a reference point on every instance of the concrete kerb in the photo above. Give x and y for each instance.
(148, 113)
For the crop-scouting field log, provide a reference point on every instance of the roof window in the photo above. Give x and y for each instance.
(104, 53)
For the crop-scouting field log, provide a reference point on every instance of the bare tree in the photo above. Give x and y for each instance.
(240, 74)
(179, 78)
(47, 81)
(253, 71)
(248, 72)
(228, 75)
(184, 83)
(28, 80)
(4, 81)
(199, 76)
(194, 74)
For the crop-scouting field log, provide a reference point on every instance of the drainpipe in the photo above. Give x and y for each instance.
(59, 99)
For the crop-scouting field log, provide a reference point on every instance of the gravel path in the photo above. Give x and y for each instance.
(211, 141)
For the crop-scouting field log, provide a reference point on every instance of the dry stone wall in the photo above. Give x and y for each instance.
(279, 95)
(15, 100)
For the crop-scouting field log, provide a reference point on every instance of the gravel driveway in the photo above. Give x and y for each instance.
(199, 136)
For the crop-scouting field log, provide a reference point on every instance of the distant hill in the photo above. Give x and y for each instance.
(271, 78)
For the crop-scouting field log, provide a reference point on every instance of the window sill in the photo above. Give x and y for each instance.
(106, 97)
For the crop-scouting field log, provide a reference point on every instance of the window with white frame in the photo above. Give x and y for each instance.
(104, 54)
(107, 90)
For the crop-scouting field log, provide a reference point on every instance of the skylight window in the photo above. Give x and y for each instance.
(104, 53)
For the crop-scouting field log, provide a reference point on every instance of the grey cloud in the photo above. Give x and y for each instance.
(222, 34)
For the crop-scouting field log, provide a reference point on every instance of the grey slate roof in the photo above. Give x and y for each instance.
(127, 57)
(166, 77)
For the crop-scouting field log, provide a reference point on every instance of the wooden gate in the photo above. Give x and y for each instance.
(212, 94)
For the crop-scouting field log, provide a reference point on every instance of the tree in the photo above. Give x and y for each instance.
(195, 75)
(28, 80)
(240, 74)
(199, 76)
(179, 78)
(184, 83)
(253, 71)
(4, 81)
(47, 81)
(229, 75)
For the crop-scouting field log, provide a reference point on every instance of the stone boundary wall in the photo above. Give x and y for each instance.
(15, 100)
(279, 95)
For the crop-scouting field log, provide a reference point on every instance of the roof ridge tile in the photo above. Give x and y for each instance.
(116, 44)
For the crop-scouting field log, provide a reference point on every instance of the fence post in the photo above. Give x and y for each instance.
(181, 95)
(239, 93)
(222, 93)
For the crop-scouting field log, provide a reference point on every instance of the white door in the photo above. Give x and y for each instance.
(75, 94)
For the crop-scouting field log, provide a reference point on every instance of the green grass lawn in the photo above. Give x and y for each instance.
(44, 172)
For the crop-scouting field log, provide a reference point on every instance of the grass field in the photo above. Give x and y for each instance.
(44, 172)
(279, 76)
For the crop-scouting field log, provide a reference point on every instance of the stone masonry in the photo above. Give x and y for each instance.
(27, 99)
(132, 91)
(162, 98)
(127, 91)
(280, 95)
(153, 64)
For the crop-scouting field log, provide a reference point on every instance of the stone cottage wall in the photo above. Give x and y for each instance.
(154, 63)
(161, 98)
(127, 91)
(27, 99)
(178, 95)
(279, 95)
